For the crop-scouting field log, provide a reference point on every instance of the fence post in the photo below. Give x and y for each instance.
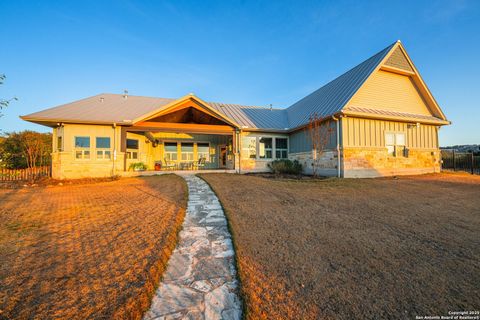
(454, 164)
(471, 155)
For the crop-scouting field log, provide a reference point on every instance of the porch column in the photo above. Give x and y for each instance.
(123, 146)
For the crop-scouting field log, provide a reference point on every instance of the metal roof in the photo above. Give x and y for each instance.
(326, 101)
(333, 96)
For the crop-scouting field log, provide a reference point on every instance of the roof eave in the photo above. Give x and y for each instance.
(394, 118)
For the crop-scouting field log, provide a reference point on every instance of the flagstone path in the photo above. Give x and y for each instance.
(200, 280)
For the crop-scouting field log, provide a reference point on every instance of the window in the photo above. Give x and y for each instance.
(60, 143)
(203, 151)
(132, 155)
(395, 143)
(265, 147)
(103, 147)
(187, 151)
(132, 144)
(170, 151)
(82, 147)
(249, 147)
(281, 148)
(132, 149)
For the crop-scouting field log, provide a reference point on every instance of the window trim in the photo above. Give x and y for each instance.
(207, 158)
(192, 153)
(271, 149)
(165, 152)
(396, 147)
(83, 150)
(281, 149)
(257, 147)
(103, 150)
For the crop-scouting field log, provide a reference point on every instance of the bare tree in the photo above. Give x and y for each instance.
(4, 102)
(320, 133)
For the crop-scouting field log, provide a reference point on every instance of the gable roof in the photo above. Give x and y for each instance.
(333, 96)
(328, 100)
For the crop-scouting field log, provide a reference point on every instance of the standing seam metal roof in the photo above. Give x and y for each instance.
(326, 101)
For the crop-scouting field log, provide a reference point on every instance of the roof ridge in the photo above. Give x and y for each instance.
(332, 96)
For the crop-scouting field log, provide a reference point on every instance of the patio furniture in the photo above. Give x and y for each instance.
(169, 164)
(201, 163)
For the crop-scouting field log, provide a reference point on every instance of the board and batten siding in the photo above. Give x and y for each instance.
(359, 132)
(300, 141)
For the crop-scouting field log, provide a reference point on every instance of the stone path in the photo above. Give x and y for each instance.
(200, 280)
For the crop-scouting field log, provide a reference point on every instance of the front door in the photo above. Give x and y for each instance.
(222, 157)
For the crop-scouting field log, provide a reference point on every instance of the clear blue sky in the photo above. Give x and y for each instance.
(247, 52)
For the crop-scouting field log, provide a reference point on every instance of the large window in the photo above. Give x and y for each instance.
(102, 144)
(187, 151)
(203, 151)
(132, 149)
(249, 147)
(265, 147)
(281, 148)
(82, 147)
(395, 143)
(170, 151)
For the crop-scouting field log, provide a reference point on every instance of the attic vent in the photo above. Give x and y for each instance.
(398, 60)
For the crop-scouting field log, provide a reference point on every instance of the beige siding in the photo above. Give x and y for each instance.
(390, 91)
(358, 132)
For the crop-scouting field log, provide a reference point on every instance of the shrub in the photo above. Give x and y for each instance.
(285, 167)
(138, 166)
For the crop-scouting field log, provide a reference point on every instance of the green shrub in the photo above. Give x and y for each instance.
(138, 166)
(285, 167)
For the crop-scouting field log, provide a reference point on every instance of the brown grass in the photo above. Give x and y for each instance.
(353, 249)
(87, 251)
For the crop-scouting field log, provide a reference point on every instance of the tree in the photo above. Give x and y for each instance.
(26, 149)
(320, 132)
(4, 102)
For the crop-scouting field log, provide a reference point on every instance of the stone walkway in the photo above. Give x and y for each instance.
(200, 280)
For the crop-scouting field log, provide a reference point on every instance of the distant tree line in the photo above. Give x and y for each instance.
(25, 149)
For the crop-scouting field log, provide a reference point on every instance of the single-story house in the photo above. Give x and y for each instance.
(382, 120)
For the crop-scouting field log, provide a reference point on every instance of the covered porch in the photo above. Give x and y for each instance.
(175, 151)
(187, 135)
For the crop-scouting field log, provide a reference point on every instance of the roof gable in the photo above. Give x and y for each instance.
(397, 80)
(188, 101)
(331, 98)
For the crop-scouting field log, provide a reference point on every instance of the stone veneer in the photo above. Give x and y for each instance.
(375, 162)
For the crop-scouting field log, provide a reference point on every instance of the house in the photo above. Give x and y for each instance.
(382, 120)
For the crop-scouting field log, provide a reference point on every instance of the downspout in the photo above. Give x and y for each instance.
(239, 148)
(337, 123)
(114, 158)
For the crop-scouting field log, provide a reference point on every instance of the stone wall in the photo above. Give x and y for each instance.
(362, 162)
(65, 166)
(327, 164)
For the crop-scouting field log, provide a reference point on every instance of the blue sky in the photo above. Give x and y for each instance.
(246, 52)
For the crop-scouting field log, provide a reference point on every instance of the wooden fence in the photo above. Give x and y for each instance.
(28, 174)
(460, 161)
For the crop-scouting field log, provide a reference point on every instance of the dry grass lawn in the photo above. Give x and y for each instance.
(354, 249)
(91, 251)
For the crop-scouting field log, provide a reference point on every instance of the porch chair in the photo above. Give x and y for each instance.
(169, 164)
(201, 163)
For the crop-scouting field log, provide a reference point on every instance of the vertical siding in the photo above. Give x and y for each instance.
(300, 141)
(359, 132)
